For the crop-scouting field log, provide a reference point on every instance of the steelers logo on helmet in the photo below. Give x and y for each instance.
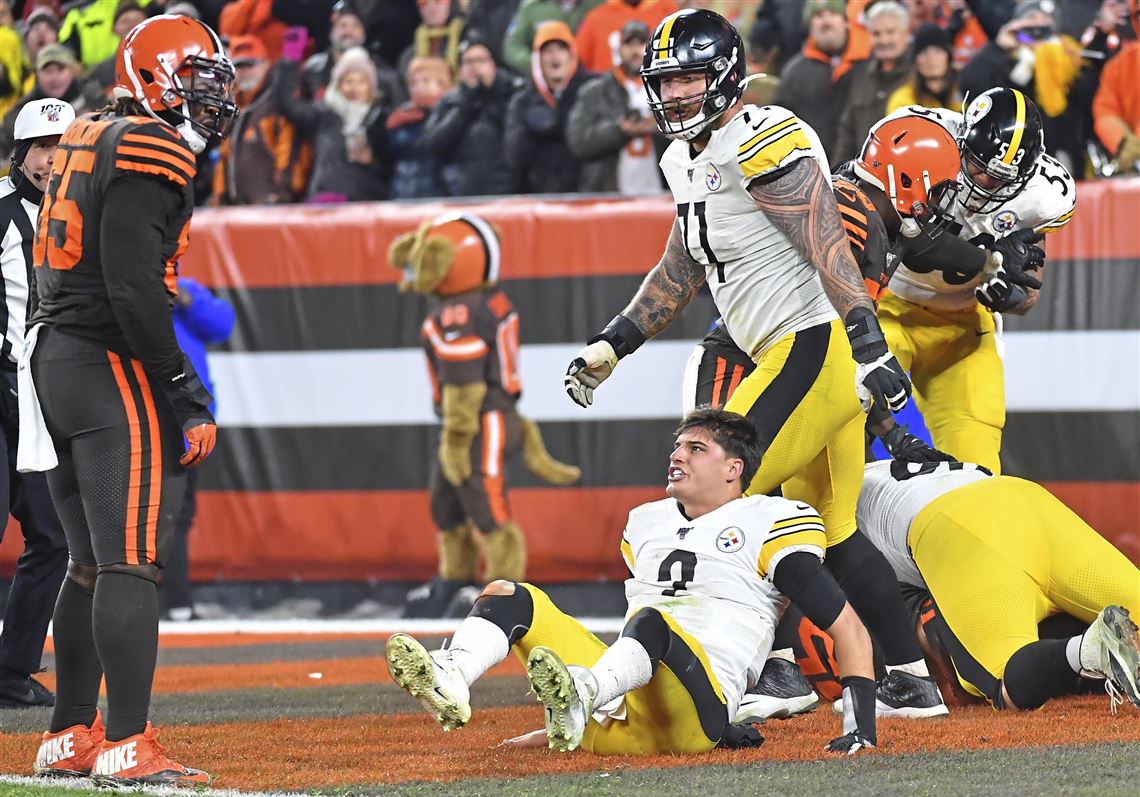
(1000, 141)
(693, 42)
(730, 540)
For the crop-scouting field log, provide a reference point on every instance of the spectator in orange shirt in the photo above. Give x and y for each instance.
(598, 38)
(1116, 106)
(814, 84)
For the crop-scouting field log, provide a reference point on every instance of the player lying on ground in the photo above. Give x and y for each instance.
(710, 569)
(999, 555)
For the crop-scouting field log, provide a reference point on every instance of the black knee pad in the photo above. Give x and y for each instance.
(649, 628)
(513, 613)
(145, 572)
(83, 575)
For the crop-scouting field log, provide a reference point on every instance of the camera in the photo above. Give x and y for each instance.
(1035, 34)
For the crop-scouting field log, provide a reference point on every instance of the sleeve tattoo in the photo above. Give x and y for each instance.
(665, 291)
(801, 206)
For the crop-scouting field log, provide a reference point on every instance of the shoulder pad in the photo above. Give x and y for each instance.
(1052, 194)
(767, 139)
(151, 147)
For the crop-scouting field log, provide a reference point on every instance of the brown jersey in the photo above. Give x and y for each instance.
(95, 151)
(474, 337)
(866, 235)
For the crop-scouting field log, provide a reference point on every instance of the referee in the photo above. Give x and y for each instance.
(40, 569)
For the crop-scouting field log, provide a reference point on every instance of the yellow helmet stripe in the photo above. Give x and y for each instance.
(663, 46)
(1018, 130)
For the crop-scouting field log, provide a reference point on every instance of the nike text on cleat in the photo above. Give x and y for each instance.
(70, 753)
(567, 693)
(901, 694)
(1110, 649)
(140, 760)
(782, 692)
(431, 678)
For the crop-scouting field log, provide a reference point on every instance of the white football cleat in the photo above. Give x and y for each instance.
(1110, 649)
(431, 678)
(567, 693)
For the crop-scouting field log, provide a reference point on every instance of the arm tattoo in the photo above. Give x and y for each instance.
(800, 204)
(672, 283)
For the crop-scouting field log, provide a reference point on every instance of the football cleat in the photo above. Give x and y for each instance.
(71, 752)
(140, 760)
(24, 693)
(782, 692)
(431, 599)
(431, 678)
(1110, 649)
(567, 693)
(901, 694)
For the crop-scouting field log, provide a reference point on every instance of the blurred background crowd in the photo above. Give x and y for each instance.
(351, 100)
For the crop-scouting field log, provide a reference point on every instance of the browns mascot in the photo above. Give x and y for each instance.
(471, 338)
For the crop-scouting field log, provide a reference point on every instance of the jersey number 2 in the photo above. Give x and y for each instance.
(703, 229)
(688, 562)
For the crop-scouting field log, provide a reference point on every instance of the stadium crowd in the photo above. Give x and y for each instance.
(352, 100)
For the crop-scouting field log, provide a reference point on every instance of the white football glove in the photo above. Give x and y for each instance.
(882, 381)
(589, 368)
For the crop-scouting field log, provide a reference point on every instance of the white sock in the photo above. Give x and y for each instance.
(478, 645)
(917, 668)
(1073, 653)
(783, 653)
(624, 666)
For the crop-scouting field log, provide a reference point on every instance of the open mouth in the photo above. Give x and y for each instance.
(676, 474)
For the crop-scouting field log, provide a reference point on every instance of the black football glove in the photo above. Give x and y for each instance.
(879, 378)
(1018, 251)
(858, 716)
(904, 446)
(849, 744)
(1002, 291)
(740, 737)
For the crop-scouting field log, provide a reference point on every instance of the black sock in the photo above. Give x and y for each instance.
(1039, 671)
(872, 590)
(788, 630)
(77, 666)
(512, 613)
(126, 634)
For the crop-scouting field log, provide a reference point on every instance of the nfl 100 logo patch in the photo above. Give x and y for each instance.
(730, 540)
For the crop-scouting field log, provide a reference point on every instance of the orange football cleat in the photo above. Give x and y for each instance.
(140, 760)
(71, 752)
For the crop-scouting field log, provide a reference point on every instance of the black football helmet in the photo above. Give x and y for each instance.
(1000, 141)
(691, 41)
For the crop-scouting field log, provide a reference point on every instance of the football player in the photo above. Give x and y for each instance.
(758, 221)
(944, 324)
(999, 555)
(709, 571)
(123, 407)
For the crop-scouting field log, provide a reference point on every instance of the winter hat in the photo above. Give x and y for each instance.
(356, 59)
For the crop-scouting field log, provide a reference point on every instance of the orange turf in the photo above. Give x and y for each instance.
(306, 753)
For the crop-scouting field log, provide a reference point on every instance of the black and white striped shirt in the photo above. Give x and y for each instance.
(19, 207)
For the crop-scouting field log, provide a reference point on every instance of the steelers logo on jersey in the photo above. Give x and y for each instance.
(713, 180)
(1005, 221)
(730, 540)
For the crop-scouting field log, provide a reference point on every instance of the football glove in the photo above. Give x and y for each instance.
(200, 442)
(589, 368)
(1002, 291)
(879, 378)
(849, 744)
(740, 737)
(858, 716)
(904, 446)
(1018, 251)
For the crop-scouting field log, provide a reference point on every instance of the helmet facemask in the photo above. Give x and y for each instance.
(978, 198)
(711, 103)
(200, 101)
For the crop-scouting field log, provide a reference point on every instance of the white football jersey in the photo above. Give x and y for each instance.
(893, 494)
(762, 286)
(713, 575)
(1045, 204)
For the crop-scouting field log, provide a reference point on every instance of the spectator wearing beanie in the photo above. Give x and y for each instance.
(41, 28)
(417, 173)
(611, 130)
(519, 41)
(347, 30)
(539, 157)
(874, 80)
(101, 77)
(89, 30)
(263, 161)
(340, 126)
(466, 127)
(934, 82)
(814, 85)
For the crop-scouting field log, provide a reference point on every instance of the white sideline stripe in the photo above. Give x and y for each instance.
(596, 625)
(84, 784)
(1045, 371)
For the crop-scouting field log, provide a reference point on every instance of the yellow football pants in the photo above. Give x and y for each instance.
(678, 711)
(801, 397)
(957, 373)
(999, 556)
